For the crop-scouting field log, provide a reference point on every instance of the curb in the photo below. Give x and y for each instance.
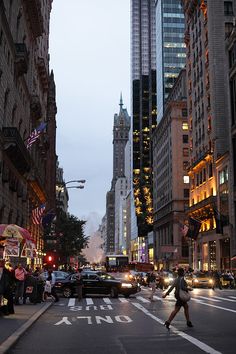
(14, 337)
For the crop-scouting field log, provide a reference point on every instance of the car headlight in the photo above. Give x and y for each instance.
(195, 280)
(126, 285)
(166, 280)
(210, 281)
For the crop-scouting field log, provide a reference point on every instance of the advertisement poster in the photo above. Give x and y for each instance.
(12, 247)
(29, 249)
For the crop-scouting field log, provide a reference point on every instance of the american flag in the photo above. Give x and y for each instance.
(37, 214)
(35, 134)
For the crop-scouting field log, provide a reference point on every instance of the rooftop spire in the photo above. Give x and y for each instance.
(121, 101)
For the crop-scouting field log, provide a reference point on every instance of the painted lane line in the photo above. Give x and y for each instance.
(89, 301)
(157, 298)
(107, 300)
(217, 307)
(207, 298)
(142, 299)
(232, 297)
(121, 299)
(224, 298)
(71, 302)
(206, 348)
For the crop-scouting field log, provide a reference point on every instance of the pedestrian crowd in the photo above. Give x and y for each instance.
(19, 285)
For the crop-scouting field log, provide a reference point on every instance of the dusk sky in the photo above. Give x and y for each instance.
(90, 57)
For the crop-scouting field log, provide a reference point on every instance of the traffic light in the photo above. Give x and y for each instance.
(49, 258)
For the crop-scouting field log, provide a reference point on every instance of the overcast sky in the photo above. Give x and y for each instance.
(90, 57)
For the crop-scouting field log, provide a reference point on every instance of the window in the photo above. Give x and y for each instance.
(185, 165)
(185, 139)
(228, 8)
(186, 193)
(186, 179)
(185, 152)
(210, 171)
(185, 126)
(223, 176)
(184, 112)
(228, 28)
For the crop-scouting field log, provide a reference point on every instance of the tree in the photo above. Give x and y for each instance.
(71, 237)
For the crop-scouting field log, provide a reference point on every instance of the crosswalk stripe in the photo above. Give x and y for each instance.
(107, 300)
(157, 298)
(232, 297)
(89, 301)
(207, 298)
(224, 298)
(71, 302)
(123, 300)
(142, 299)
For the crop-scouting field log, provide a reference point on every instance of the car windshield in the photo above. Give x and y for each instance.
(202, 275)
(106, 276)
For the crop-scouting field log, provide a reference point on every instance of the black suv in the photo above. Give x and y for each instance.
(97, 283)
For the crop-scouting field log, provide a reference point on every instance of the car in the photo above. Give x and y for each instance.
(227, 281)
(59, 274)
(202, 280)
(97, 283)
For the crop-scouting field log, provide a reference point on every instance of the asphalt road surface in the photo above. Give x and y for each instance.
(102, 325)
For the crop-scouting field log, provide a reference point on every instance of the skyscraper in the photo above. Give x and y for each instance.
(143, 52)
(120, 137)
(170, 46)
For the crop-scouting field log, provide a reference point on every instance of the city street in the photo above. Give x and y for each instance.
(135, 325)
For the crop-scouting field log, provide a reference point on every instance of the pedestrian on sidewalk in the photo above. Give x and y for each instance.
(152, 284)
(5, 290)
(79, 285)
(20, 274)
(178, 284)
(51, 277)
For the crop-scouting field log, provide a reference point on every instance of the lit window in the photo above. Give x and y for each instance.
(185, 126)
(186, 179)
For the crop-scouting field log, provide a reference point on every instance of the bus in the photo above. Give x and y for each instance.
(141, 267)
(116, 263)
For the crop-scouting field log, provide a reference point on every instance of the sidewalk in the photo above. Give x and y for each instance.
(13, 326)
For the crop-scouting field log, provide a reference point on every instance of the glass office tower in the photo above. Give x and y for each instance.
(143, 51)
(170, 48)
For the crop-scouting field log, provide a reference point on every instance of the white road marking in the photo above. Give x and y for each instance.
(121, 299)
(71, 302)
(232, 297)
(142, 299)
(206, 348)
(217, 307)
(89, 301)
(207, 298)
(157, 298)
(107, 300)
(224, 298)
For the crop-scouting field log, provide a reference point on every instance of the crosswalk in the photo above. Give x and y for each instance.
(145, 300)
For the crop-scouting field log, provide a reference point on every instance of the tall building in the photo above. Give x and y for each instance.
(170, 47)
(121, 129)
(143, 61)
(27, 99)
(207, 26)
(231, 45)
(171, 180)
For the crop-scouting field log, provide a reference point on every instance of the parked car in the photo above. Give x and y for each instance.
(97, 283)
(202, 280)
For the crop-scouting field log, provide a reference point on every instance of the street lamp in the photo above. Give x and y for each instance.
(77, 181)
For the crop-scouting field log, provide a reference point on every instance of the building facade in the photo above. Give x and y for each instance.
(143, 86)
(171, 180)
(207, 26)
(121, 129)
(25, 102)
(170, 47)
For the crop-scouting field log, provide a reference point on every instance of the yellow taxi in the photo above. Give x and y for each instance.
(202, 280)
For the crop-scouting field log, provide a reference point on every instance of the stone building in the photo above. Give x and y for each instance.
(207, 25)
(27, 99)
(171, 180)
(121, 129)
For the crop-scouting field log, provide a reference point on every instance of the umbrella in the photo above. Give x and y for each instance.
(233, 258)
(11, 230)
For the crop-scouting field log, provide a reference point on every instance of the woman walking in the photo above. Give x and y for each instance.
(178, 284)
